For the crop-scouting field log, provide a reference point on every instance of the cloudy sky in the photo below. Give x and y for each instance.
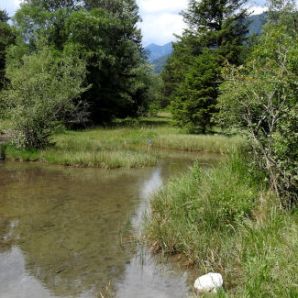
(161, 18)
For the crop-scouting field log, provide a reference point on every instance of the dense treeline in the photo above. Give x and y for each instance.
(115, 80)
(7, 37)
(217, 77)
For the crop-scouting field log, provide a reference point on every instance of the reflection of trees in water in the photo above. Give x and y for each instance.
(7, 228)
(69, 228)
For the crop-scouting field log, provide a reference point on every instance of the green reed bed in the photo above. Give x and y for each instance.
(160, 137)
(116, 147)
(224, 220)
(207, 143)
(101, 159)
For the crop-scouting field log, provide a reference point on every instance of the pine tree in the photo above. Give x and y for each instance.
(7, 38)
(215, 26)
(218, 24)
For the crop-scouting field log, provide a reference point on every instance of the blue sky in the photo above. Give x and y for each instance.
(161, 18)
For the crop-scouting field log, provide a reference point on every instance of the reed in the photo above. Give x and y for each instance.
(225, 220)
(125, 146)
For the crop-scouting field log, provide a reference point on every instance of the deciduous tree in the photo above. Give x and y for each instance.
(261, 99)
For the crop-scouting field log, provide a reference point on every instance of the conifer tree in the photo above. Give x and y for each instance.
(7, 38)
(105, 34)
(214, 26)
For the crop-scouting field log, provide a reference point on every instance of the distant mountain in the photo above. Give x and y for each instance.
(159, 63)
(155, 52)
(256, 23)
(158, 55)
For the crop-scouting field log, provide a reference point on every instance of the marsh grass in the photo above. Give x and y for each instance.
(101, 159)
(224, 220)
(121, 146)
(199, 143)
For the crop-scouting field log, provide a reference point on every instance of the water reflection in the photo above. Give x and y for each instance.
(143, 276)
(149, 187)
(15, 282)
(61, 231)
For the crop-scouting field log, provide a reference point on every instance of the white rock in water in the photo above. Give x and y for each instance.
(207, 283)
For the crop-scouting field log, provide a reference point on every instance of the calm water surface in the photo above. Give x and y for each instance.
(67, 232)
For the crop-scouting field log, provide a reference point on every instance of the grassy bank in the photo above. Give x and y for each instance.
(224, 220)
(101, 159)
(122, 146)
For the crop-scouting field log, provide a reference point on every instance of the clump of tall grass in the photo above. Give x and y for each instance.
(159, 137)
(207, 143)
(266, 252)
(121, 147)
(101, 159)
(194, 212)
(224, 220)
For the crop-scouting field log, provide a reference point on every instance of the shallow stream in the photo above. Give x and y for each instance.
(68, 232)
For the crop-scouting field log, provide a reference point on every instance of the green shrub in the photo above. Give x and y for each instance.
(261, 99)
(41, 93)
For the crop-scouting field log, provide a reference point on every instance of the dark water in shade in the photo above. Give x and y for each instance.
(66, 232)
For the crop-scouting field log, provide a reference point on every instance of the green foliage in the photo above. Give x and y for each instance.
(130, 144)
(105, 35)
(41, 92)
(3, 16)
(195, 101)
(177, 65)
(197, 211)
(7, 38)
(216, 33)
(54, 4)
(159, 63)
(221, 220)
(261, 98)
(219, 24)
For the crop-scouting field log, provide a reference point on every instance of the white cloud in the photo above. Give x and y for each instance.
(10, 6)
(161, 20)
(160, 28)
(257, 6)
(158, 6)
(256, 9)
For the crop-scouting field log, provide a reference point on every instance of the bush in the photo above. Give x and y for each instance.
(261, 98)
(41, 93)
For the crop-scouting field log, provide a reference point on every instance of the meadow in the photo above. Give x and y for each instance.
(126, 144)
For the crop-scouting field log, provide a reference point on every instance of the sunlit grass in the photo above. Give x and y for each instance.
(224, 220)
(101, 159)
(123, 145)
(207, 143)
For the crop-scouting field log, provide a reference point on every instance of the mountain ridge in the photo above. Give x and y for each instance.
(155, 51)
(158, 55)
